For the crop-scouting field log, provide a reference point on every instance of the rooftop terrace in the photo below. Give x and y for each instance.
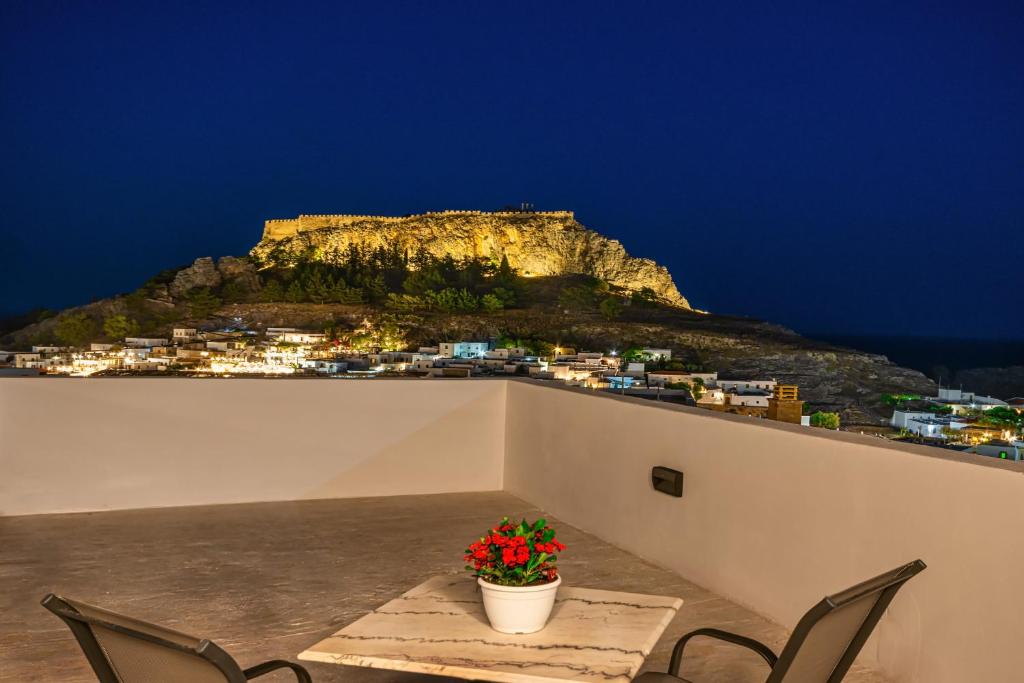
(281, 511)
(267, 580)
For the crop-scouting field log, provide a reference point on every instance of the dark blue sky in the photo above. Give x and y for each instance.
(853, 168)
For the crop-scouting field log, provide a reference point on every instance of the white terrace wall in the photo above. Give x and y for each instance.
(102, 444)
(777, 516)
(773, 516)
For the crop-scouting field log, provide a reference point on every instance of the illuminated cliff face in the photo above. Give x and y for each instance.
(537, 243)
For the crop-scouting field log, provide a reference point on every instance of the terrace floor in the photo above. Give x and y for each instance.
(266, 580)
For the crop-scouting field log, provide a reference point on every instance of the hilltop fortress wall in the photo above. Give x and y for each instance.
(282, 228)
(536, 243)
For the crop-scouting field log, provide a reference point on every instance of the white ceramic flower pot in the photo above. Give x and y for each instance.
(519, 609)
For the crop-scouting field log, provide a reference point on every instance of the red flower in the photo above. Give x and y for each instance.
(504, 554)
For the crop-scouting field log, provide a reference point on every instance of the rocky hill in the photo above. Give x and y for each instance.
(581, 290)
(535, 244)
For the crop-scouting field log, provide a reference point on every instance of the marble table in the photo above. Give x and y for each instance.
(440, 628)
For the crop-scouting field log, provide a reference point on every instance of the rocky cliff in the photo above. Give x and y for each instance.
(535, 243)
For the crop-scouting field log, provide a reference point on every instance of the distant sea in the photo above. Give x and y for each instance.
(929, 353)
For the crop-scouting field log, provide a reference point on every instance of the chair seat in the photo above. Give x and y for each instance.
(656, 677)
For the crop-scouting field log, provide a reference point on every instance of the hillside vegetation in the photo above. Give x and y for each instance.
(383, 297)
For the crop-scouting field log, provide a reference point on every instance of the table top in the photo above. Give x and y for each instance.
(440, 628)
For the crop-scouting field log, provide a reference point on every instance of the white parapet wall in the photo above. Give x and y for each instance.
(69, 445)
(772, 516)
(777, 516)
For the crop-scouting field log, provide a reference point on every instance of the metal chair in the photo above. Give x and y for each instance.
(824, 642)
(125, 650)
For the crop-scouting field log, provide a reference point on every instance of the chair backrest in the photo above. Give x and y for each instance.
(829, 637)
(125, 650)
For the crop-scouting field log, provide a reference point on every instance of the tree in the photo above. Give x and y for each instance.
(508, 297)
(317, 288)
(272, 291)
(1002, 417)
(611, 308)
(75, 329)
(295, 293)
(341, 293)
(120, 326)
(201, 302)
(452, 300)
(698, 388)
(632, 355)
(505, 276)
(421, 281)
(491, 303)
(375, 289)
(825, 420)
(347, 295)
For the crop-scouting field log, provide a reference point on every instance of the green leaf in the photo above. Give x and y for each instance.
(540, 524)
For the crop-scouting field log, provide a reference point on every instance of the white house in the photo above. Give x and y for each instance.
(297, 337)
(225, 345)
(180, 333)
(662, 377)
(735, 385)
(901, 418)
(552, 371)
(961, 401)
(49, 349)
(635, 370)
(926, 423)
(325, 366)
(463, 349)
(712, 396)
(140, 342)
(752, 398)
(28, 360)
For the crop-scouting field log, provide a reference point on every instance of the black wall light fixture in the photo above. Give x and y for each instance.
(667, 481)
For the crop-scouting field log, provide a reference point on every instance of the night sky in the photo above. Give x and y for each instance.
(853, 168)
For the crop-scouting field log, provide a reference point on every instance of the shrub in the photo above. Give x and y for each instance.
(825, 420)
(645, 298)
(491, 303)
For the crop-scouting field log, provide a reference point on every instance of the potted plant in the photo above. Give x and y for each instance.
(515, 567)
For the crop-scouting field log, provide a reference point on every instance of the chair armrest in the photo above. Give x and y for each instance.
(274, 665)
(749, 643)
